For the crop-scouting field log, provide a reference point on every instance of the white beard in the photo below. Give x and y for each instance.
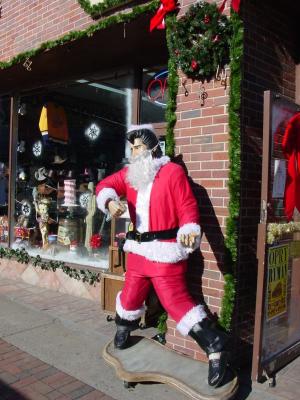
(141, 170)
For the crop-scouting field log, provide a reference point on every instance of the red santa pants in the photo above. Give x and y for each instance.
(167, 279)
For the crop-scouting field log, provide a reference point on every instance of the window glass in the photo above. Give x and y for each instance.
(69, 139)
(4, 151)
(154, 94)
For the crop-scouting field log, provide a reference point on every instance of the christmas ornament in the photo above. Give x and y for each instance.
(26, 208)
(93, 131)
(200, 40)
(27, 64)
(203, 95)
(194, 64)
(186, 92)
(206, 19)
(37, 148)
(84, 199)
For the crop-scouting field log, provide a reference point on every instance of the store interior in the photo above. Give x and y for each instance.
(70, 137)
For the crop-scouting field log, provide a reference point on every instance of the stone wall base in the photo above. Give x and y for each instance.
(58, 280)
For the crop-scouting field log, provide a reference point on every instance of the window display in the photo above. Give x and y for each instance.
(154, 95)
(69, 139)
(4, 173)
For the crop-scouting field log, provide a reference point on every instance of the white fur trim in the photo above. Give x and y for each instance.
(196, 314)
(185, 230)
(132, 128)
(125, 314)
(103, 196)
(161, 161)
(165, 252)
(142, 209)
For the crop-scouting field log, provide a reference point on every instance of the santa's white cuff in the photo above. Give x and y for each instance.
(196, 314)
(129, 315)
(187, 229)
(103, 196)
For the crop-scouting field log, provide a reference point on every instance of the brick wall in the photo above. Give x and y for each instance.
(25, 24)
(269, 64)
(202, 140)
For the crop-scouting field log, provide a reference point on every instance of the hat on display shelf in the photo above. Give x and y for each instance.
(40, 174)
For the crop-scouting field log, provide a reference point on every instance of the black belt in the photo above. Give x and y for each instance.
(149, 236)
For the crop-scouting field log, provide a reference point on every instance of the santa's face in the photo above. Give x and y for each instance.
(141, 170)
(137, 148)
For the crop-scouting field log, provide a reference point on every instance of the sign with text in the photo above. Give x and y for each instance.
(278, 261)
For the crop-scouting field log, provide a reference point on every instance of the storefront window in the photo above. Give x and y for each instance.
(4, 155)
(69, 138)
(154, 94)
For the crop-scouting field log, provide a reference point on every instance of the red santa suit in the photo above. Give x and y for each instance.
(166, 203)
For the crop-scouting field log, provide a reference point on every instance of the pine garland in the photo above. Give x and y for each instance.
(23, 257)
(173, 82)
(232, 222)
(75, 35)
(97, 9)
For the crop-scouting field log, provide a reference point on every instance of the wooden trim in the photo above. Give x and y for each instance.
(13, 139)
(261, 240)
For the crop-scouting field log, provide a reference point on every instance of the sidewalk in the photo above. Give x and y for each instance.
(23, 376)
(56, 340)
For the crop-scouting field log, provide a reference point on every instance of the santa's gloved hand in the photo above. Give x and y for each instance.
(188, 240)
(116, 208)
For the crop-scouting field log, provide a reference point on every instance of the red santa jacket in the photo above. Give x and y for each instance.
(291, 150)
(168, 203)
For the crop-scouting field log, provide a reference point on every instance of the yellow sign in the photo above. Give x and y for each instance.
(278, 261)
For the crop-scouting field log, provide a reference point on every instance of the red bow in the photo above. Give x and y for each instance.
(96, 241)
(158, 20)
(235, 4)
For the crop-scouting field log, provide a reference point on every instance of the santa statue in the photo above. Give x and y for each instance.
(165, 216)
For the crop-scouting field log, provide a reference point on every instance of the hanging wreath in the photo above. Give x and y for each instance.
(200, 41)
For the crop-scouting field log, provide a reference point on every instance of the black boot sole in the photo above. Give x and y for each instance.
(226, 356)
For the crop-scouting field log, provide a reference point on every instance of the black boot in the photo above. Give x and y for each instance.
(124, 327)
(212, 340)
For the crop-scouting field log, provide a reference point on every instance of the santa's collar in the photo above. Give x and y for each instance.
(160, 162)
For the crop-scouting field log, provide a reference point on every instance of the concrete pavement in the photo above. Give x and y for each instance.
(68, 333)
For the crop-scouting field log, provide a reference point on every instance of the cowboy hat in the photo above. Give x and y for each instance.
(40, 174)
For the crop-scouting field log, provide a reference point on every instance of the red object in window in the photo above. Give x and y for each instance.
(291, 151)
(96, 241)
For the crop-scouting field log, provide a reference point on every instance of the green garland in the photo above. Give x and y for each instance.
(231, 241)
(23, 257)
(173, 82)
(276, 231)
(232, 222)
(200, 41)
(75, 35)
(98, 9)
